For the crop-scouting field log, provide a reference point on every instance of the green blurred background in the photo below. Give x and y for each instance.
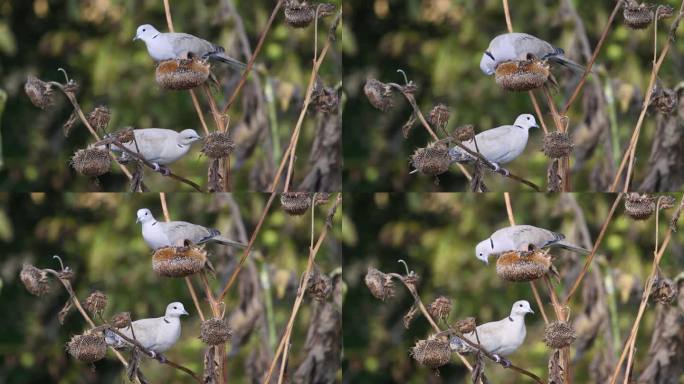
(92, 41)
(439, 44)
(96, 235)
(436, 235)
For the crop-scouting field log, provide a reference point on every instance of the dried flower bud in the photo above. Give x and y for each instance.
(440, 308)
(125, 135)
(295, 203)
(215, 331)
(664, 100)
(639, 207)
(66, 274)
(91, 162)
(432, 353)
(325, 99)
(410, 88)
(557, 145)
(466, 325)
(321, 198)
(319, 286)
(664, 11)
(39, 92)
(464, 132)
(218, 145)
(666, 201)
(88, 348)
(380, 284)
(71, 87)
(432, 160)
(378, 94)
(98, 118)
(95, 303)
(637, 16)
(300, 15)
(559, 334)
(412, 279)
(439, 116)
(35, 280)
(121, 320)
(664, 291)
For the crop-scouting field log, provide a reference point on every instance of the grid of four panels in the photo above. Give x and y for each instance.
(352, 191)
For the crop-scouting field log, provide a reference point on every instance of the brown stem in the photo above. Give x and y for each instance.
(252, 59)
(644, 297)
(590, 258)
(594, 55)
(290, 151)
(631, 149)
(300, 292)
(245, 253)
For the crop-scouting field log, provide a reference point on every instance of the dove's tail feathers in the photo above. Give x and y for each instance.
(113, 339)
(562, 60)
(226, 241)
(222, 57)
(572, 247)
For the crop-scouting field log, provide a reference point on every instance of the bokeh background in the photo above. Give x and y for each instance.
(436, 235)
(96, 235)
(91, 40)
(439, 44)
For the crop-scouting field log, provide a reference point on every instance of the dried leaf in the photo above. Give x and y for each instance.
(215, 179)
(65, 311)
(406, 128)
(137, 179)
(409, 316)
(478, 373)
(211, 369)
(70, 123)
(553, 177)
(556, 371)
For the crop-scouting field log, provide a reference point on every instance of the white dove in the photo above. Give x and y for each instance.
(500, 338)
(160, 146)
(499, 145)
(172, 45)
(519, 46)
(155, 334)
(521, 238)
(158, 234)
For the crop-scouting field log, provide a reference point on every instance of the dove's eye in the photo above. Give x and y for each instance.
(528, 117)
(143, 29)
(519, 305)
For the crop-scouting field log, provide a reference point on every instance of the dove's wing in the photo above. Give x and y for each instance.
(525, 44)
(179, 231)
(153, 143)
(501, 144)
(489, 335)
(184, 43)
(539, 237)
(145, 331)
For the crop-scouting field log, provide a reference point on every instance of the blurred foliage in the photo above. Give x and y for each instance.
(439, 44)
(436, 235)
(96, 235)
(92, 41)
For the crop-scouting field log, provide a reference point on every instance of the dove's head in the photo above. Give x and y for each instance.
(188, 136)
(488, 63)
(145, 32)
(484, 249)
(521, 308)
(526, 121)
(144, 216)
(175, 309)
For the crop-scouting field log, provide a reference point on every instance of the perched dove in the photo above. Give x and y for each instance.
(500, 338)
(499, 145)
(155, 334)
(169, 46)
(161, 146)
(158, 234)
(518, 46)
(521, 238)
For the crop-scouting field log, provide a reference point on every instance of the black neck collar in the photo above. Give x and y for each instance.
(510, 318)
(155, 36)
(516, 125)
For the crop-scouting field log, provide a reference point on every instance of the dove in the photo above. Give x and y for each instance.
(159, 234)
(521, 238)
(520, 46)
(160, 146)
(169, 46)
(500, 338)
(155, 334)
(499, 145)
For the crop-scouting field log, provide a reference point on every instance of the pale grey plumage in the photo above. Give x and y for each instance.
(158, 234)
(501, 337)
(174, 45)
(499, 145)
(161, 146)
(518, 46)
(521, 238)
(155, 334)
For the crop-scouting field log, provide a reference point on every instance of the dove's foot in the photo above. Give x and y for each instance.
(162, 359)
(161, 169)
(124, 158)
(504, 362)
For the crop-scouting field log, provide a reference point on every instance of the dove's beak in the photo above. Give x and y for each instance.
(136, 38)
(186, 313)
(535, 126)
(137, 220)
(531, 311)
